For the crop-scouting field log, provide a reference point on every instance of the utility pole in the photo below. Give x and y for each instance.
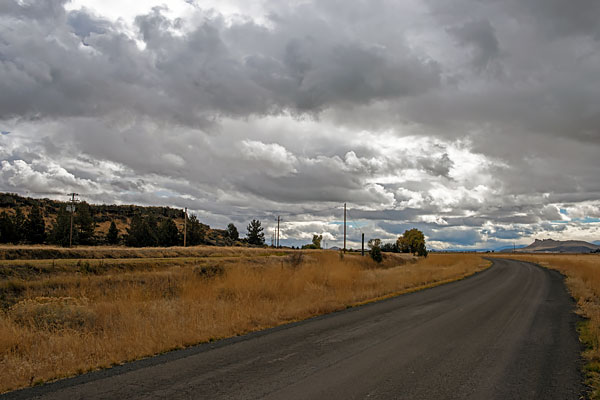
(362, 251)
(185, 227)
(272, 238)
(72, 209)
(278, 219)
(344, 227)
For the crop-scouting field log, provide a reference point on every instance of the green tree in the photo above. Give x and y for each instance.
(135, 232)
(60, 230)
(390, 247)
(151, 224)
(316, 240)
(196, 231)
(85, 224)
(255, 233)
(422, 250)
(112, 236)
(375, 250)
(168, 234)
(412, 241)
(142, 232)
(316, 243)
(19, 224)
(35, 227)
(232, 232)
(8, 232)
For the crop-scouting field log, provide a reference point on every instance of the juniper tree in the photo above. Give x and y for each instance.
(142, 232)
(35, 227)
(19, 225)
(196, 231)
(85, 224)
(112, 236)
(255, 233)
(60, 230)
(168, 234)
(8, 232)
(232, 232)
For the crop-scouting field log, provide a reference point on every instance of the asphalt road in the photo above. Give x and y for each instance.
(505, 333)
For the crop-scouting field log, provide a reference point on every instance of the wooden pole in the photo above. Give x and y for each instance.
(362, 252)
(72, 211)
(278, 219)
(344, 227)
(185, 227)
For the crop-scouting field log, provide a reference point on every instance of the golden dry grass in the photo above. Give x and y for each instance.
(68, 324)
(582, 277)
(45, 252)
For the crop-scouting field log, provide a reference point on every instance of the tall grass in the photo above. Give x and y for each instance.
(71, 324)
(582, 277)
(35, 252)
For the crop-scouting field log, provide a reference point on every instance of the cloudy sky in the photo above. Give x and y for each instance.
(476, 121)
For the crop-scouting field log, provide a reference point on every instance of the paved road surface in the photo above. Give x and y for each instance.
(506, 333)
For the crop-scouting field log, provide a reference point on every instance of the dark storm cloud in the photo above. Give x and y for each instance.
(33, 9)
(547, 84)
(437, 167)
(481, 37)
(191, 78)
(560, 18)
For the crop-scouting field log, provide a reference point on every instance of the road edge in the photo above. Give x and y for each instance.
(590, 374)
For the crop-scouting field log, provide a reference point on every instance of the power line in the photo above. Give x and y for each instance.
(356, 225)
(280, 213)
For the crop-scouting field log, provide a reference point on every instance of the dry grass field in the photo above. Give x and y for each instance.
(582, 272)
(66, 316)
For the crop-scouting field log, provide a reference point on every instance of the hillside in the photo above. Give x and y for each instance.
(558, 246)
(103, 215)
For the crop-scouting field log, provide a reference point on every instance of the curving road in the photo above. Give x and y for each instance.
(505, 333)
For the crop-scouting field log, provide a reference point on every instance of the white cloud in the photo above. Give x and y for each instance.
(272, 158)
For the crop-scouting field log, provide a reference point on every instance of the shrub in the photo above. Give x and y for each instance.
(375, 254)
(208, 271)
(53, 313)
(296, 259)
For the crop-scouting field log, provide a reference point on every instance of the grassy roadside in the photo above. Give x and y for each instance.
(71, 323)
(582, 277)
(43, 252)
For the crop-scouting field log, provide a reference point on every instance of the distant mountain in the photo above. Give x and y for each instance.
(596, 242)
(558, 246)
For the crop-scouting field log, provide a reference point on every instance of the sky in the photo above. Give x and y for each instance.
(475, 121)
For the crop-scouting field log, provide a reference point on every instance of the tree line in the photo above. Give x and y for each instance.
(142, 231)
(155, 230)
(19, 228)
(411, 241)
